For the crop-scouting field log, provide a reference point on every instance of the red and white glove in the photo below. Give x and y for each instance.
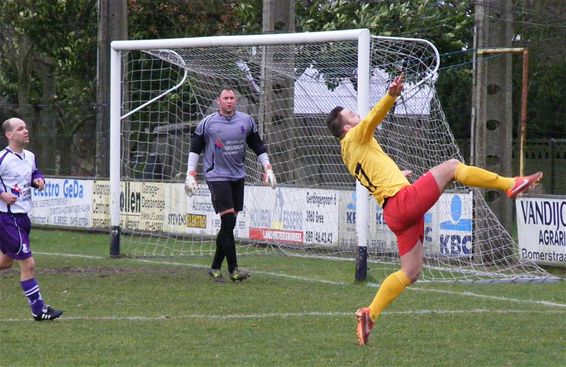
(191, 185)
(269, 176)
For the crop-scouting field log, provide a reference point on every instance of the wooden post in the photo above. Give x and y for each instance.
(492, 128)
(113, 25)
(522, 130)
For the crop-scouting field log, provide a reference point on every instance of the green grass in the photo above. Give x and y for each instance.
(292, 312)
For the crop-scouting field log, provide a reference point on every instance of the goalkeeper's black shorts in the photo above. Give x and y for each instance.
(227, 195)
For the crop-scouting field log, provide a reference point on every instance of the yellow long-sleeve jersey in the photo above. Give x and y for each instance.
(365, 159)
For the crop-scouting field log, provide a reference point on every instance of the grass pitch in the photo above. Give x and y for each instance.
(291, 312)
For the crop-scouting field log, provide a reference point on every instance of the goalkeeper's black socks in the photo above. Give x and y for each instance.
(226, 239)
(219, 254)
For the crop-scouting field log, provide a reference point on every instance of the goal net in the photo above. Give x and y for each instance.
(288, 84)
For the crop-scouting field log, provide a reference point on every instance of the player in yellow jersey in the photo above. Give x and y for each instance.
(404, 204)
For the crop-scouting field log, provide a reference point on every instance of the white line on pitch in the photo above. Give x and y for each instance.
(507, 299)
(256, 316)
(323, 281)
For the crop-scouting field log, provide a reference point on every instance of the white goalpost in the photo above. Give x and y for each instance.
(161, 89)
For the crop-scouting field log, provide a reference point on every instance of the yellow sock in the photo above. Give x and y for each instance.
(478, 177)
(390, 289)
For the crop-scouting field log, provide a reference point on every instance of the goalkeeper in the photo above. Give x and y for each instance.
(404, 204)
(223, 136)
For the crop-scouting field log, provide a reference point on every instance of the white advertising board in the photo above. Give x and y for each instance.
(448, 225)
(195, 215)
(296, 216)
(541, 225)
(142, 205)
(293, 216)
(190, 215)
(63, 202)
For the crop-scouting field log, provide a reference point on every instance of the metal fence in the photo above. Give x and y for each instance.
(546, 155)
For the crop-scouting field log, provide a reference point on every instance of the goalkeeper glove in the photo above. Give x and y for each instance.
(269, 176)
(191, 185)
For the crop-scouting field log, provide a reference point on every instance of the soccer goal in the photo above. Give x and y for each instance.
(161, 89)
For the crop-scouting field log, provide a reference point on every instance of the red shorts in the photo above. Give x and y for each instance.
(404, 212)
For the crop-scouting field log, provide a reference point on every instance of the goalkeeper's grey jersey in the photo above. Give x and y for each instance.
(224, 143)
(17, 170)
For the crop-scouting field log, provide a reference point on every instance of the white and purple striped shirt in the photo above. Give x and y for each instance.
(17, 171)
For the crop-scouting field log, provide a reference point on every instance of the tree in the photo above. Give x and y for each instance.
(52, 77)
(48, 56)
(149, 19)
(447, 24)
(540, 26)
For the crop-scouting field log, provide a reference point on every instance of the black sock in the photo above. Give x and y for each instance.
(226, 239)
(219, 254)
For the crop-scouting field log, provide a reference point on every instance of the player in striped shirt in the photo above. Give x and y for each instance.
(18, 174)
(404, 204)
(223, 137)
